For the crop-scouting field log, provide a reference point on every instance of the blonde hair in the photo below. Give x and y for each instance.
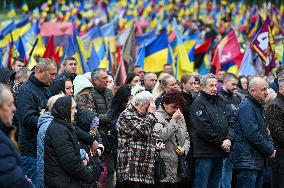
(52, 100)
(160, 85)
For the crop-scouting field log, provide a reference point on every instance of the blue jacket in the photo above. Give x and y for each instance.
(43, 123)
(31, 99)
(252, 143)
(11, 169)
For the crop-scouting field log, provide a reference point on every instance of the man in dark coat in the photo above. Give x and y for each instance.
(275, 121)
(31, 99)
(11, 169)
(102, 97)
(252, 143)
(63, 164)
(231, 101)
(211, 134)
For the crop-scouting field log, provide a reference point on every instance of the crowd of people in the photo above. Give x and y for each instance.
(60, 129)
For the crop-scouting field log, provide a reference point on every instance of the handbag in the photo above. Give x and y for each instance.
(160, 167)
(183, 167)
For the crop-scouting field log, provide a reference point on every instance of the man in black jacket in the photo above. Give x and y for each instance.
(102, 97)
(31, 99)
(211, 134)
(275, 120)
(11, 168)
(231, 101)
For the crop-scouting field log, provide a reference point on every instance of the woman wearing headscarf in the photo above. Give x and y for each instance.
(63, 164)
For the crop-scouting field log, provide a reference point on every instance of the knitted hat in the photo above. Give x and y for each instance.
(80, 83)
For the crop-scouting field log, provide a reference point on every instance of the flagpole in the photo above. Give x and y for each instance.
(32, 50)
(117, 71)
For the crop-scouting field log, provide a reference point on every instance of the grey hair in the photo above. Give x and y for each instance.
(148, 74)
(142, 98)
(204, 79)
(22, 72)
(254, 82)
(44, 64)
(96, 72)
(3, 87)
(52, 100)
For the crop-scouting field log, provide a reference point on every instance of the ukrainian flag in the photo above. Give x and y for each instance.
(17, 30)
(183, 63)
(25, 7)
(156, 54)
(11, 11)
(92, 37)
(71, 51)
(108, 33)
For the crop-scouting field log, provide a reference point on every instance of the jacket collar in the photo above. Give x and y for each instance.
(6, 129)
(211, 98)
(253, 100)
(34, 80)
(98, 89)
(187, 96)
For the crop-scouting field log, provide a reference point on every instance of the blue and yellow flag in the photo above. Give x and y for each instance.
(11, 10)
(183, 64)
(156, 54)
(94, 60)
(25, 7)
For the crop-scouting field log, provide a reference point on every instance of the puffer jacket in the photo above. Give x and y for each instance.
(172, 133)
(43, 123)
(210, 126)
(252, 142)
(102, 101)
(31, 99)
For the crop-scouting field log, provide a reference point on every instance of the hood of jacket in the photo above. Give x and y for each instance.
(44, 118)
(62, 109)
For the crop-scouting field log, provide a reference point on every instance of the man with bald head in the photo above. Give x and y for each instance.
(253, 145)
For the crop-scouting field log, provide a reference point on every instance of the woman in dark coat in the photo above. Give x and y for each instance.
(63, 166)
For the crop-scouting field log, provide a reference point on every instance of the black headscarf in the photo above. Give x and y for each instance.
(62, 109)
